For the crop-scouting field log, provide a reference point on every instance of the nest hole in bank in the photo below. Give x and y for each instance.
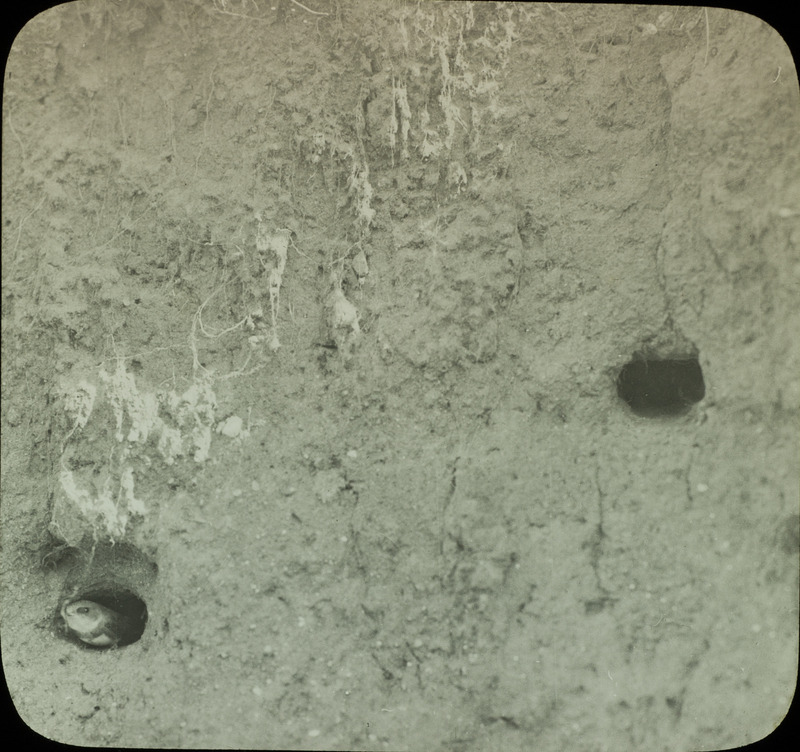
(655, 387)
(129, 608)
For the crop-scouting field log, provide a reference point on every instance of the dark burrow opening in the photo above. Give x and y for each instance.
(661, 387)
(122, 614)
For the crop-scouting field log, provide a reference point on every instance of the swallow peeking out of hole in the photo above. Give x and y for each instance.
(98, 625)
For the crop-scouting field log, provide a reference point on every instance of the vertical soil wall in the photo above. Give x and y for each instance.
(407, 375)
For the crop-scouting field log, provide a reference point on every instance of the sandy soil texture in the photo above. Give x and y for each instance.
(316, 318)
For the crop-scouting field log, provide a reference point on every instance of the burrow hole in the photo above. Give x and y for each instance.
(131, 608)
(655, 387)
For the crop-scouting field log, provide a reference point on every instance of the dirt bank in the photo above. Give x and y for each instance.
(313, 324)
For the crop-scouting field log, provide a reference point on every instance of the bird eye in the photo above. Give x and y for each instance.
(83, 610)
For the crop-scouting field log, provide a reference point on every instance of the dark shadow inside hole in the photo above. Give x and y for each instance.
(665, 387)
(131, 609)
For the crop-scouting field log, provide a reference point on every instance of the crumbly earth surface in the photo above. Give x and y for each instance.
(312, 315)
